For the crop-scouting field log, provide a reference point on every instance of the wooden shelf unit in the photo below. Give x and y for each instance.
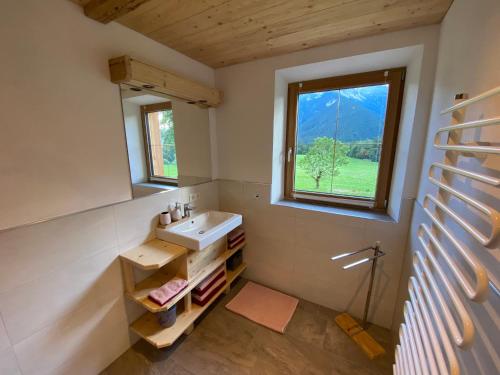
(142, 289)
(148, 328)
(231, 252)
(170, 260)
(153, 254)
(232, 275)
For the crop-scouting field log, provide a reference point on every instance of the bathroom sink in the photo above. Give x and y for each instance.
(201, 230)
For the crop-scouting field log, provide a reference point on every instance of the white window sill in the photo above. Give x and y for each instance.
(156, 186)
(144, 189)
(361, 214)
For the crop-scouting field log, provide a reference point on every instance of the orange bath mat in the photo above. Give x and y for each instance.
(264, 306)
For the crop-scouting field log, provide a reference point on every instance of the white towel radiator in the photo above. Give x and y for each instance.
(436, 322)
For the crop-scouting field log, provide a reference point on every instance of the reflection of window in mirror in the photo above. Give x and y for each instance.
(168, 141)
(158, 123)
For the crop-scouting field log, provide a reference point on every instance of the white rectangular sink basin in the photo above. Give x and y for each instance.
(201, 230)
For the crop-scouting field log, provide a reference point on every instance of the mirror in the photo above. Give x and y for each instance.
(168, 141)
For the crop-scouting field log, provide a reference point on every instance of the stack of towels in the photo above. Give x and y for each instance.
(235, 237)
(168, 291)
(205, 290)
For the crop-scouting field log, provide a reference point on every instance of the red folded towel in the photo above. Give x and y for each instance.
(236, 242)
(167, 291)
(209, 280)
(203, 299)
(234, 234)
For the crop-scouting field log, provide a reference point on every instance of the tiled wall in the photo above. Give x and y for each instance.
(290, 249)
(459, 71)
(61, 300)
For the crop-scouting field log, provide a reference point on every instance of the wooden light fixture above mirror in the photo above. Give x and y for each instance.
(126, 69)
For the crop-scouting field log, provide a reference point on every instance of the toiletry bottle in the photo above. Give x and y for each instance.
(176, 213)
(178, 210)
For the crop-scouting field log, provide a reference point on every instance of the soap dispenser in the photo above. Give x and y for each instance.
(176, 213)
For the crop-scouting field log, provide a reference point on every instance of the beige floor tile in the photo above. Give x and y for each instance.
(226, 343)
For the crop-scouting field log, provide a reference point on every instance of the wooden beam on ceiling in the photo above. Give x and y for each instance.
(105, 11)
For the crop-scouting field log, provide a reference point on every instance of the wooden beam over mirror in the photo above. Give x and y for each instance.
(106, 11)
(126, 69)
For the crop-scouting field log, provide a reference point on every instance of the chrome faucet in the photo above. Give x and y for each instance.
(188, 209)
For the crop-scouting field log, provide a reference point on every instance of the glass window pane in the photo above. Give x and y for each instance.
(360, 129)
(316, 113)
(339, 139)
(162, 144)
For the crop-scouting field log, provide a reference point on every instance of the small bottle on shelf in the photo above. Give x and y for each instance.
(176, 213)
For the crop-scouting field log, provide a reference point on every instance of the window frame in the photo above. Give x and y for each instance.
(145, 110)
(395, 77)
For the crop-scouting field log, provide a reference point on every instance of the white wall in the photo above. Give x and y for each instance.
(62, 149)
(62, 305)
(61, 115)
(469, 52)
(61, 300)
(289, 247)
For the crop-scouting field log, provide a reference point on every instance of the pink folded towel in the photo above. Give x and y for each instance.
(167, 291)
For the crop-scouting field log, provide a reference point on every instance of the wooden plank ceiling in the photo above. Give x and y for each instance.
(225, 32)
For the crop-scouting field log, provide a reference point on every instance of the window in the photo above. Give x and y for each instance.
(160, 141)
(341, 138)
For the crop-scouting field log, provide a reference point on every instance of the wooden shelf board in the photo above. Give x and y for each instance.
(231, 252)
(148, 328)
(231, 275)
(153, 254)
(142, 289)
